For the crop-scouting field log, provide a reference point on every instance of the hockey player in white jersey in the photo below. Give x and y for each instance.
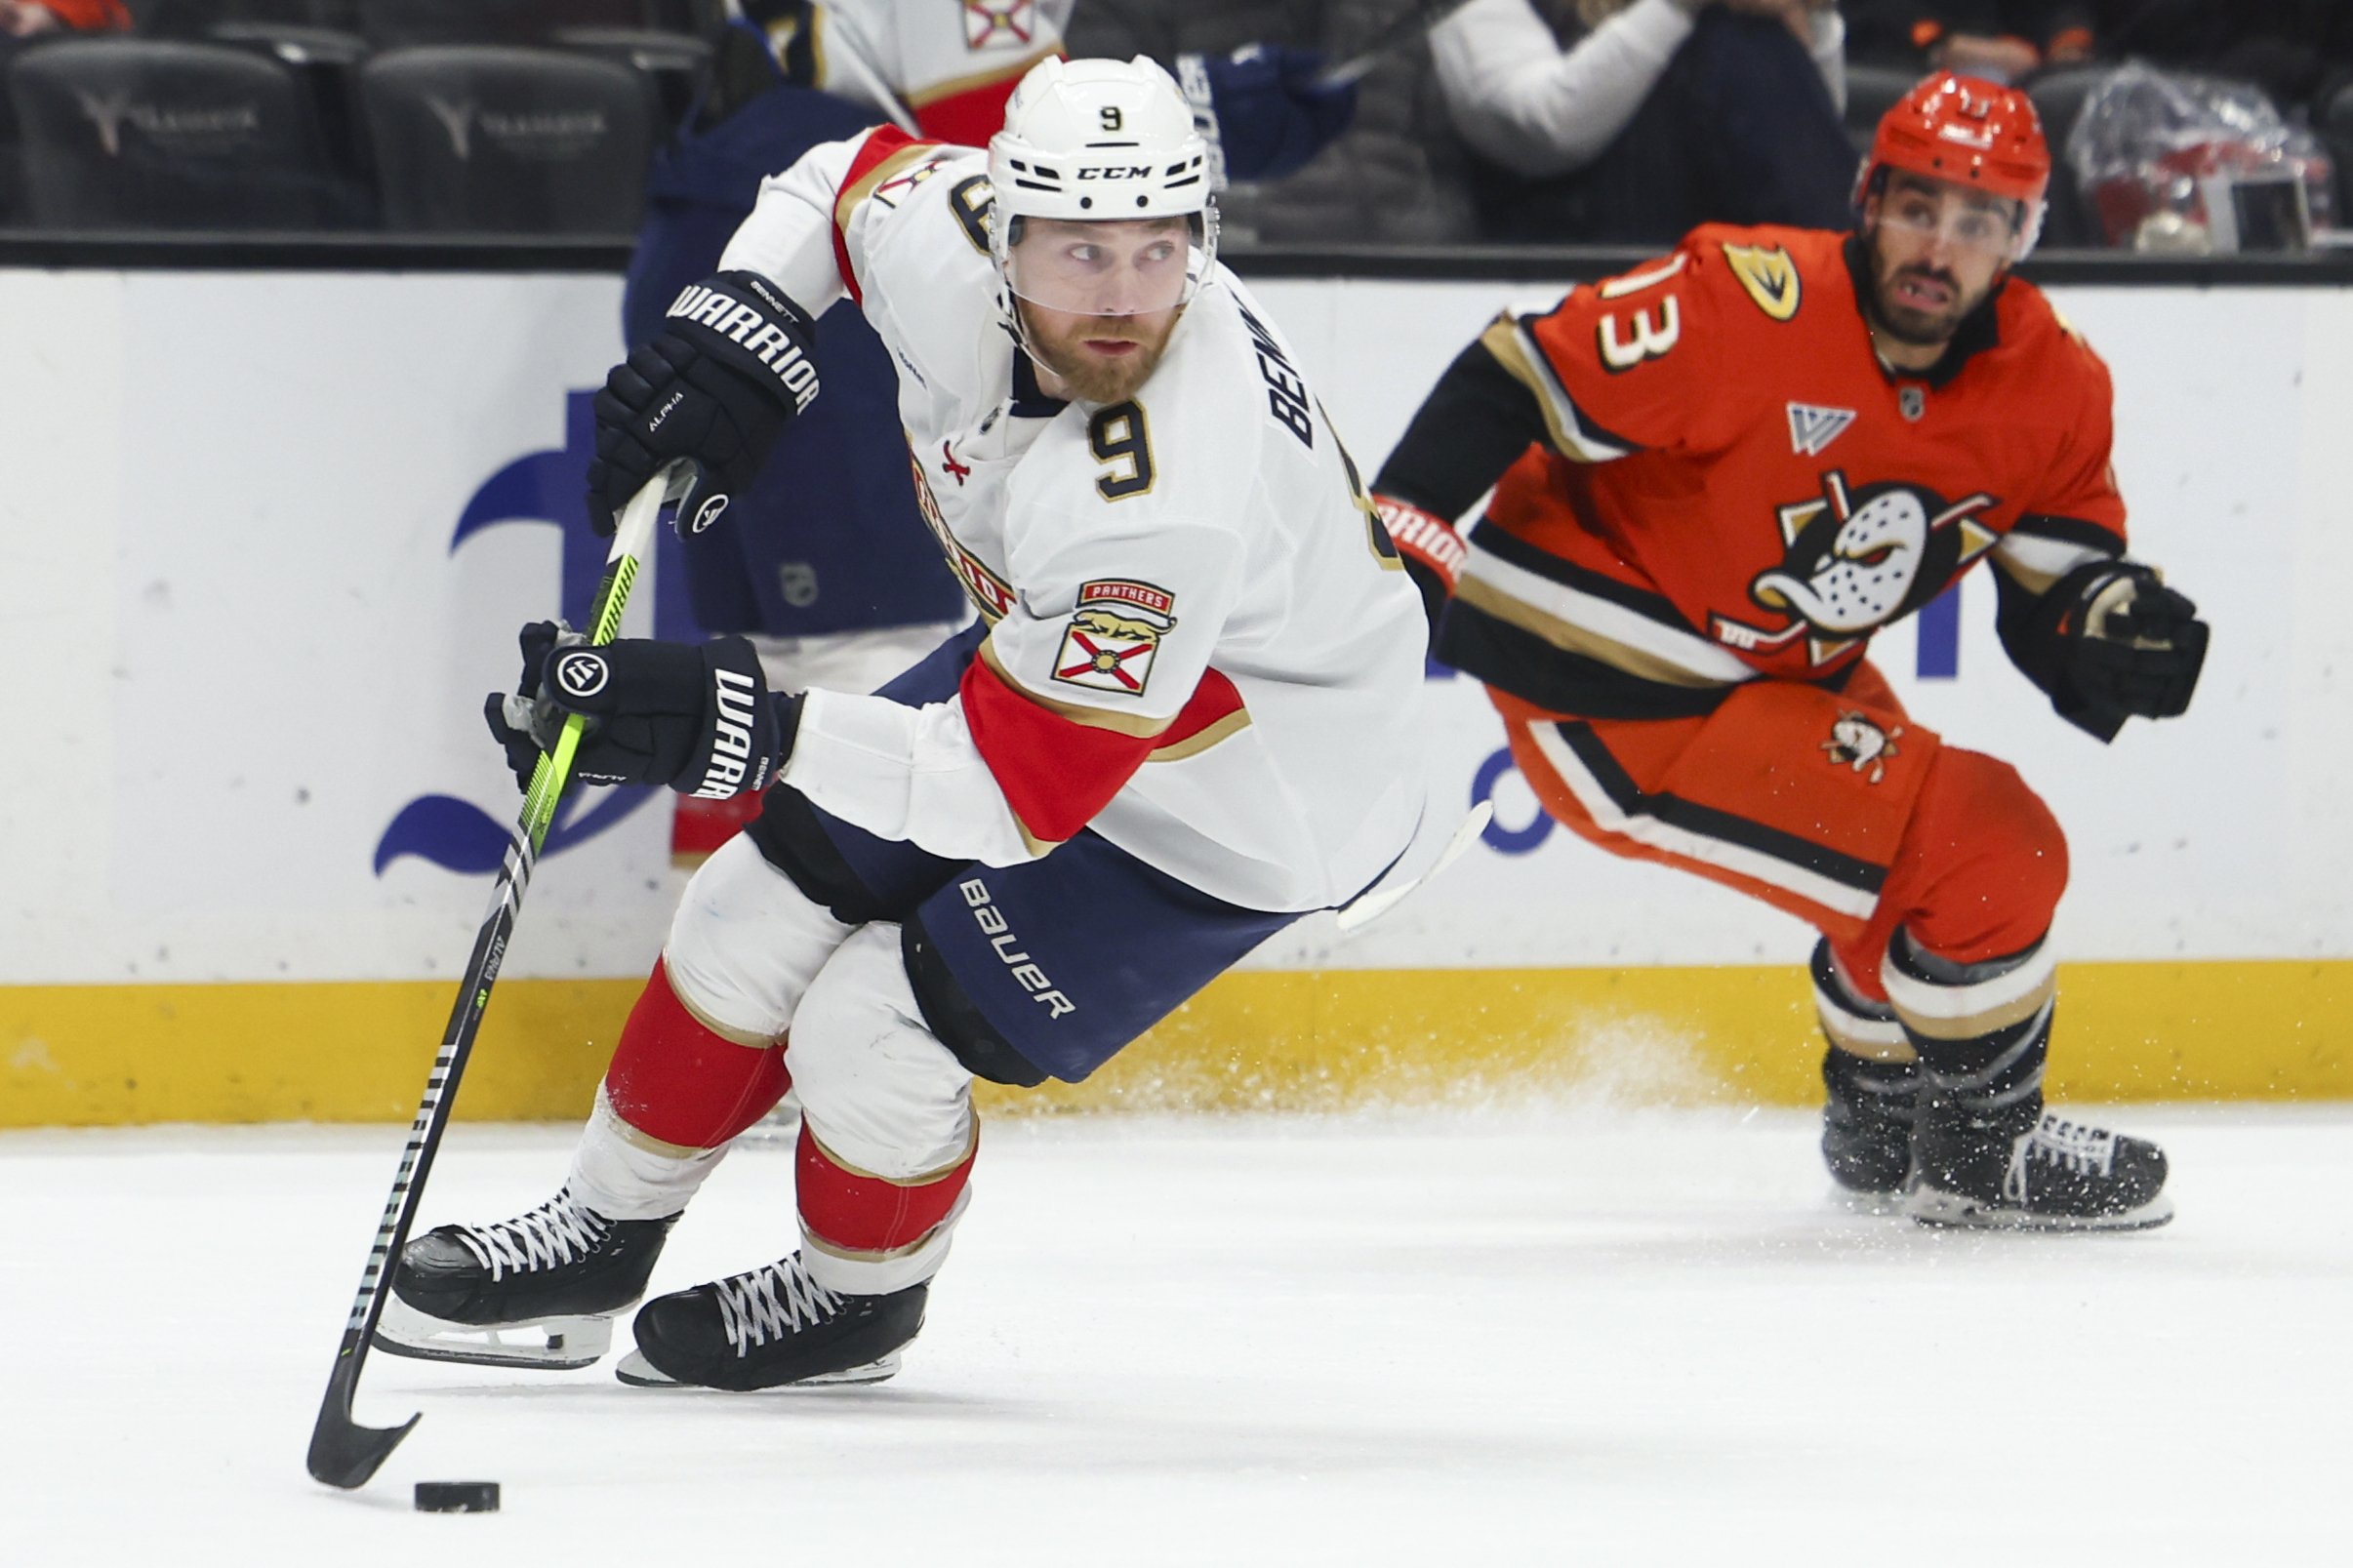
(1186, 717)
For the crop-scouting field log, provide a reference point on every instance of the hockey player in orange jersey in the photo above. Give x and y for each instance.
(1715, 477)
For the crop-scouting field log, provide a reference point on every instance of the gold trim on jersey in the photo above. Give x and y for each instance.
(1201, 740)
(1516, 350)
(1095, 718)
(1570, 637)
(846, 202)
(991, 595)
(922, 96)
(1769, 275)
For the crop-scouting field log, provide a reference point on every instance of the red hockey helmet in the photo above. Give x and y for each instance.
(1970, 133)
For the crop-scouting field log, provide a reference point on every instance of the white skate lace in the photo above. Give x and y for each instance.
(548, 1237)
(772, 1303)
(2084, 1149)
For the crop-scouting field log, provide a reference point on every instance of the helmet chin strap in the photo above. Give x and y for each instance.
(1009, 304)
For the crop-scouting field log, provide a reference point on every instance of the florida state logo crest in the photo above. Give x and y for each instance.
(1853, 560)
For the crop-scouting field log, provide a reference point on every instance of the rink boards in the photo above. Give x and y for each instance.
(264, 540)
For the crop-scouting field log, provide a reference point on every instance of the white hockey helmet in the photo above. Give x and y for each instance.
(1101, 141)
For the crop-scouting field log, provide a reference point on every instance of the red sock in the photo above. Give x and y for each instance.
(854, 1212)
(675, 1080)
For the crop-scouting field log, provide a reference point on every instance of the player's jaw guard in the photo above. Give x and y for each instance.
(344, 1453)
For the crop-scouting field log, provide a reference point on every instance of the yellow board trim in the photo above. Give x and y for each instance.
(111, 1055)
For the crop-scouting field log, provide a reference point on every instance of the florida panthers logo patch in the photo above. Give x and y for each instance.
(992, 21)
(1853, 560)
(1113, 635)
(1857, 743)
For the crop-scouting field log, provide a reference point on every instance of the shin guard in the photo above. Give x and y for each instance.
(1982, 1032)
(677, 1080)
(867, 1234)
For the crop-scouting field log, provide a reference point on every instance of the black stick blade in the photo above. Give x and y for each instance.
(342, 1452)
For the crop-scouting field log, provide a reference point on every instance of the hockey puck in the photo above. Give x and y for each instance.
(457, 1497)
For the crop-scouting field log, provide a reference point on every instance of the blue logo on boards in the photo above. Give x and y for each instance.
(548, 489)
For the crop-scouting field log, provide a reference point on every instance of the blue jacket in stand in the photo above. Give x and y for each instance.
(827, 539)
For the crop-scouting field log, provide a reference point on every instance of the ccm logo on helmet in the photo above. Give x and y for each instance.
(730, 740)
(582, 673)
(1114, 172)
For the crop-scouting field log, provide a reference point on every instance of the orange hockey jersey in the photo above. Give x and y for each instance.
(1734, 486)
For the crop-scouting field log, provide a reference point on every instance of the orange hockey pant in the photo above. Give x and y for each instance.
(1832, 806)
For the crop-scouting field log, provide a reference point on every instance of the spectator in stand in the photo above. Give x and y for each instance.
(1608, 121)
(25, 18)
(1995, 40)
(2297, 51)
(1395, 177)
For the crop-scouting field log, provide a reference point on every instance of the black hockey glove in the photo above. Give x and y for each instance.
(2128, 646)
(700, 720)
(733, 362)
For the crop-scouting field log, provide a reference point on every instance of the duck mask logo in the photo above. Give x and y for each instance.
(1853, 560)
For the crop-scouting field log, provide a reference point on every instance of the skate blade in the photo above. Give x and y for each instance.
(639, 1373)
(1928, 1206)
(543, 1344)
(1854, 1202)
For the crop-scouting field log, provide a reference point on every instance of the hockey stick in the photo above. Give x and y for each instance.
(344, 1453)
(1419, 17)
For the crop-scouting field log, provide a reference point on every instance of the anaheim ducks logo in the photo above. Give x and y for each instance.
(1856, 742)
(1854, 560)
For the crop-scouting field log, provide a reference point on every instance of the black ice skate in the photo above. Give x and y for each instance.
(2055, 1175)
(541, 1290)
(771, 1327)
(1867, 1127)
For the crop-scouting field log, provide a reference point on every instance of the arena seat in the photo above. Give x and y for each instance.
(405, 24)
(497, 140)
(326, 62)
(2333, 118)
(1871, 92)
(126, 133)
(2058, 98)
(674, 67)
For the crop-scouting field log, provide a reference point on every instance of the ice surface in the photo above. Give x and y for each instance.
(1593, 1338)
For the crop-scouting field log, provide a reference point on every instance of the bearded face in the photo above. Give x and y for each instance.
(1096, 359)
(1936, 250)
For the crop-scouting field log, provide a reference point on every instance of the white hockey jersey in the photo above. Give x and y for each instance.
(940, 67)
(1201, 643)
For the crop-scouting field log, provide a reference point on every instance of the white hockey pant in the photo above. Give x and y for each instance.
(755, 959)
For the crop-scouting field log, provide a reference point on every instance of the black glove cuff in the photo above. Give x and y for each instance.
(743, 744)
(2106, 678)
(746, 323)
